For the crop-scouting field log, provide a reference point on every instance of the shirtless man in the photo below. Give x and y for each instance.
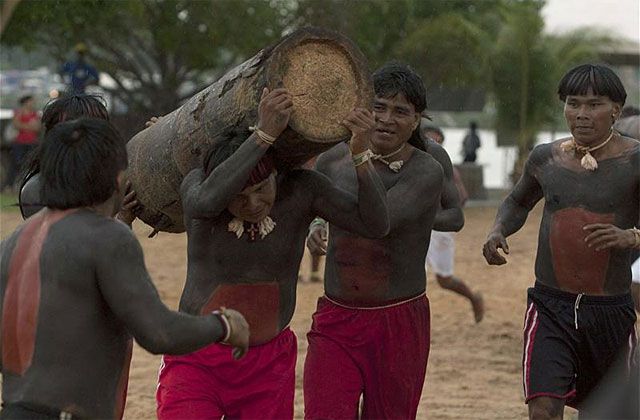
(246, 227)
(580, 313)
(371, 329)
(74, 289)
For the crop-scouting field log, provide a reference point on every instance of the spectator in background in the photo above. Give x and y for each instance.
(471, 143)
(440, 256)
(27, 122)
(79, 74)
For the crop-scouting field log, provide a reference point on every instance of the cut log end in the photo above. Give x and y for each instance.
(325, 87)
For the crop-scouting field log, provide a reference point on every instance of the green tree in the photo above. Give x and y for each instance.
(158, 52)
(525, 67)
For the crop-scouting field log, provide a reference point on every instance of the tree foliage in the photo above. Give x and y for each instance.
(159, 52)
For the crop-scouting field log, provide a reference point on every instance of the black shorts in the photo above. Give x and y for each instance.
(570, 341)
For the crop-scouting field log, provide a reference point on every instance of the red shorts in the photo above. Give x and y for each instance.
(210, 384)
(380, 353)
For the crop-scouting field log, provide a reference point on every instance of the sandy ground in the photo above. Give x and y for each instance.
(473, 370)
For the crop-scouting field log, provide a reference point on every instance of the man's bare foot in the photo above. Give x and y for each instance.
(478, 307)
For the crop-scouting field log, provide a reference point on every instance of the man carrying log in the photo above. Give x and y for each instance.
(246, 226)
(371, 329)
(74, 289)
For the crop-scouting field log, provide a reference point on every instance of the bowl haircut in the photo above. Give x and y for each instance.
(600, 79)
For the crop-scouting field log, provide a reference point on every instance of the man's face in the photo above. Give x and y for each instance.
(590, 117)
(396, 118)
(434, 135)
(254, 202)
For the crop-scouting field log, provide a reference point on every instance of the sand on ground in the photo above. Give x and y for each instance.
(474, 370)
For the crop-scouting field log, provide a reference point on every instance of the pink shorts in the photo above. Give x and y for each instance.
(210, 384)
(380, 353)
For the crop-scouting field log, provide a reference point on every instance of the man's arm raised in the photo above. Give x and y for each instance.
(367, 214)
(205, 197)
(127, 288)
(450, 218)
(512, 213)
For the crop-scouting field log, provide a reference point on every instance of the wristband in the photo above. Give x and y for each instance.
(361, 158)
(267, 138)
(225, 324)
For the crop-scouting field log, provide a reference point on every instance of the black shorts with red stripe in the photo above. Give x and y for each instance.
(570, 342)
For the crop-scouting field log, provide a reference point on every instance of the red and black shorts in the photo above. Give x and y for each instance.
(571, 341)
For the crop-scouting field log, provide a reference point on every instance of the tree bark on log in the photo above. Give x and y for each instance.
(323, 70)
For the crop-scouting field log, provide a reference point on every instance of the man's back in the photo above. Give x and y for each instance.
(49, 273)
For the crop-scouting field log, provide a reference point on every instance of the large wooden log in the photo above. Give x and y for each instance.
(325, 72)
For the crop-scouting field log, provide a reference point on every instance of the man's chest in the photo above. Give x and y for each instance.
(609, 188)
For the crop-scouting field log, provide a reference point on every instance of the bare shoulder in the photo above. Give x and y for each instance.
(544, 152)
(302, 180)
(438, 152)
(329, 158)
(424, 162)
(110, 236)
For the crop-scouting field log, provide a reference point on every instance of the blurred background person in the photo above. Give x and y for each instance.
(440, 257)
(78, 74)
(471, 143)
(27, 122)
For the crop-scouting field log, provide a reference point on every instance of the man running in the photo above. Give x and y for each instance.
(371, 329)
(580, 313)
(74, 289)
(440, 256)
(246, 226)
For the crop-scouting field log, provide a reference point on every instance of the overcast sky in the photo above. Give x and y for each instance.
(621, 16)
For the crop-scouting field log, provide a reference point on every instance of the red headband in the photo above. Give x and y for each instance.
(263, 169)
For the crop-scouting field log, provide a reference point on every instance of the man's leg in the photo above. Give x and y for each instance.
(395, 373)
(546, 408)
(332, 381)
(185, 390)
(456, 285)
(549, 362)
(440, 257)
(263, 385)
(314, 277)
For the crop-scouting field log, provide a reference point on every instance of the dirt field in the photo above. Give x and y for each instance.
(473, 370)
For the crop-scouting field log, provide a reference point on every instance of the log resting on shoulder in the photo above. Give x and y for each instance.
(323, 70)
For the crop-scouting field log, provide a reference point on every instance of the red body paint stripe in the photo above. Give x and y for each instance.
(22, 295)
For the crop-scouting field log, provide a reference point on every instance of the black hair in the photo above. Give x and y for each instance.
(23, 100)
(68, 107)
(601, 79)
(221, 150)
(79, 163)
(394, 78)
(629, 111)
(433, 128)
(473, 125)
